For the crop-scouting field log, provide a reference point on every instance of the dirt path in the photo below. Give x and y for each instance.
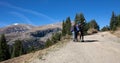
(98, 48)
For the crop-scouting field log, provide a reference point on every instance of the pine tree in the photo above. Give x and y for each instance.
(30, 49)
(93, 24)
(79, 18)
(68, 26)
(113, 22)
(86, 27)
(105, 28)
(58, 36)
(63, 29)
(82, 18)
(48, 43)
(54, 39)
(13, 52)
(118, 20)
(4, 48)
(17, 49)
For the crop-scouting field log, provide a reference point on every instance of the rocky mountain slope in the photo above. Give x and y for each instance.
(16, 28)
(31, 36)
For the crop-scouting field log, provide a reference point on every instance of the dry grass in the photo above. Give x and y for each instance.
(38, 54)
(117, 32)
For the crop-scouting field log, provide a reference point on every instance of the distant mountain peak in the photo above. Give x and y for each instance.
(16, 24)
(16, 28)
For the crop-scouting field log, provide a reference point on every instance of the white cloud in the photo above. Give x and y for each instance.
(27, 11)
(22, 16)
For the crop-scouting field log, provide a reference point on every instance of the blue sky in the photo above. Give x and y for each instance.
(42, 12)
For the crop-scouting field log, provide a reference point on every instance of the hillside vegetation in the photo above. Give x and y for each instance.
(114, 23)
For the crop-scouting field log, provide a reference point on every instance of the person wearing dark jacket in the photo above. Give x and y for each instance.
(81, 32)
(74, 32)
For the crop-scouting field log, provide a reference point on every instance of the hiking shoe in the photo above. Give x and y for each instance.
(82, 41)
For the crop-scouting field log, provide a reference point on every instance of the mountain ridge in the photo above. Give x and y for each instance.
(35, 36)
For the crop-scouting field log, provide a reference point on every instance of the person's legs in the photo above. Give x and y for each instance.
(76, 36)
(82, 36)
(73, 33)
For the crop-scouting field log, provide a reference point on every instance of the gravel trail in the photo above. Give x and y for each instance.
(102, 47)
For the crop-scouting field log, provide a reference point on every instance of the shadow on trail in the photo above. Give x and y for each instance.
(90, 40)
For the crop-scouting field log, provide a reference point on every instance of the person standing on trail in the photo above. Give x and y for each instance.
(81, 30)
(74, 32)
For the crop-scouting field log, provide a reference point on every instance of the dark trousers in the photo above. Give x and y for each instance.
(81, 35)
(76, 33)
